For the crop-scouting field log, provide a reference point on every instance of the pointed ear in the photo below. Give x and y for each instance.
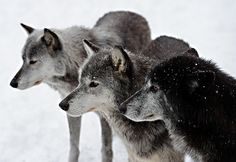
(201, 80)
(89, 47)
(191, 52)
(120, 59)
(51, 40)
(27, 28)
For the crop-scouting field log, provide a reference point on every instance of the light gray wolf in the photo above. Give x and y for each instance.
(197, 102)
(53, 56)
(107, 78)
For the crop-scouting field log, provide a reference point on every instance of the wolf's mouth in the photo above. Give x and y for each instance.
(38, 82)
(149, 116)
(92, 109)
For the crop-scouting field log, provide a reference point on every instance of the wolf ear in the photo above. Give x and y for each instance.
(200, 80)
(89, 47)
(27, 28)
(51, 40)
(120, 59)
(191, 52)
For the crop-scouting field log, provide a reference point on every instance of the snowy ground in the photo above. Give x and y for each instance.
(32, 127)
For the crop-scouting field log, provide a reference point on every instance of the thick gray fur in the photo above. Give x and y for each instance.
(59, 54)
(165, 47)
(110, 76)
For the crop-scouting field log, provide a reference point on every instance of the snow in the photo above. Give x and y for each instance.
(33, 128)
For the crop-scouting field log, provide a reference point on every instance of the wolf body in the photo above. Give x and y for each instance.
(197, 102)
(54, 56)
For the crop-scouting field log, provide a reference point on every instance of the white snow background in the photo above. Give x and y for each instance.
(32, 126)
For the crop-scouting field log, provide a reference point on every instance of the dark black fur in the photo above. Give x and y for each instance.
(204, 113)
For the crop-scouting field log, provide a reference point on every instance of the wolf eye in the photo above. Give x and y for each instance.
(154, 88)
(93, 84)
(32, 62)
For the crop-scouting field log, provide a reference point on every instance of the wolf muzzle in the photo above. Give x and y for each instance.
(14, 81)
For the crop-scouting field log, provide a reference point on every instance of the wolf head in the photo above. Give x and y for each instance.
(146, 104)
(39, 63)
(105, 77)
(169, 84)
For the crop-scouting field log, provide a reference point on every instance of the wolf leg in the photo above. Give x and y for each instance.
(74, 128)
(107, 153)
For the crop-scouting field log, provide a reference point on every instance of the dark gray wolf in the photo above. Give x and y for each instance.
(107, 78)
(197, 102)
(53, 56)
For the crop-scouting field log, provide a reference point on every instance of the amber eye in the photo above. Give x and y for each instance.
(93, 84)
(32, 62)
(154, 88)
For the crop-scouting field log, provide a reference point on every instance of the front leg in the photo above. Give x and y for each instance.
(74, 128)
(107, 153)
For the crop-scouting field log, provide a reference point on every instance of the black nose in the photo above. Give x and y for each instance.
(14, 83)
(64, 105)
(122, 108)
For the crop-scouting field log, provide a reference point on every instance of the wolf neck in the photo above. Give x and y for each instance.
(141, 67)
(74, 54)
(145, 139)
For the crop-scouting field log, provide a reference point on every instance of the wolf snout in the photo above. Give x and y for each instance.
(123, 108)
(64, 105)
(14, 83)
